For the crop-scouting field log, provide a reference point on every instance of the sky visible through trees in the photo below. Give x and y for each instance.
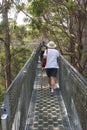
(20, 16)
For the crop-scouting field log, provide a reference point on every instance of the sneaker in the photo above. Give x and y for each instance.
(52, 90)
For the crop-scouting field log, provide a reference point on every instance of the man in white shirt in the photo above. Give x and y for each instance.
(51, 67)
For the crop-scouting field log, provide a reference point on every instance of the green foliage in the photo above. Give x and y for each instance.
(84, 73)
(1, 94)
(19, 56)
(71, 4)
(2, 56)
(36, 8)
(1, 32)
(19, 32)
(2, 80)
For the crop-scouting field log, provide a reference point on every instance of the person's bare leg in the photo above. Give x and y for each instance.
(52, 82)
(49, 82)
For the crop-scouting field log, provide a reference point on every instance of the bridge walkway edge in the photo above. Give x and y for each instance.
(46, 112)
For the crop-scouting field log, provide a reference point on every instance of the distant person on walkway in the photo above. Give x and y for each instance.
(51, 64)
(43, 47)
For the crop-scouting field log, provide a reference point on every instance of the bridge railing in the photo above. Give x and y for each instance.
(74, 90)
(18, 95)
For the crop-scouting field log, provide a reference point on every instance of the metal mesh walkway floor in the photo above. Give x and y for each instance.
(46, 112)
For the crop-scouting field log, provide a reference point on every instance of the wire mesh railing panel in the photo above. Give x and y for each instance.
(17, 97)
(74, 90)
(79, 95)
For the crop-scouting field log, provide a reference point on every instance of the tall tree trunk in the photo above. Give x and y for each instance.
(81, 36)
(72, 44)
(6, 43)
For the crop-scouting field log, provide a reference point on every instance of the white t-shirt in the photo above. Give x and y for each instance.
(52, 55)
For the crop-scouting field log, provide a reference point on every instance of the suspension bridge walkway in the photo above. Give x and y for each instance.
(29, 105)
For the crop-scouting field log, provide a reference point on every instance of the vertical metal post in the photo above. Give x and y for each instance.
(4, 118)
(4, 121)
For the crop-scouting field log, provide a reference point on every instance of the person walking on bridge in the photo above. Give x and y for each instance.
(51, 67)
(43, 47)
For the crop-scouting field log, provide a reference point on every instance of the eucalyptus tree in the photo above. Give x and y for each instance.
(7, 69)
(78, 28)
(65, 22)
(50, 18)
(5, 8)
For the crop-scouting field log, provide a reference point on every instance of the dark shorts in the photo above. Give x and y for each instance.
(51, 72)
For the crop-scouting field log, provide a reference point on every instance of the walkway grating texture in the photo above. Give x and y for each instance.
(46, 111)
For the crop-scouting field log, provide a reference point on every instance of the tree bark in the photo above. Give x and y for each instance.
(7, 67)
(72, 44)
